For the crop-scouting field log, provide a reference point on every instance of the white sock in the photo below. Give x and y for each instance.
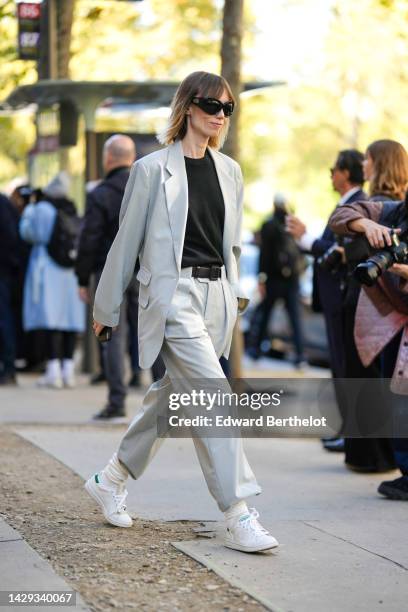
(236, 510)
(114, 474)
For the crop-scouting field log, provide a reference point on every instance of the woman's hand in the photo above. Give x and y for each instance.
(377, 235)
(400, 270)
(97, 327)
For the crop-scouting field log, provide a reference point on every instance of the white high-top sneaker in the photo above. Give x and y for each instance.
(53, 375)
(245, 533)
(68, 373)
(111, 500)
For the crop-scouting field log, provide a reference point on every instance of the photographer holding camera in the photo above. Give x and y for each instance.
(383, 302)
(329, 271)
(386, 170)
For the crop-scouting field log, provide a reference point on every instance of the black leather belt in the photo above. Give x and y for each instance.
(211, 272)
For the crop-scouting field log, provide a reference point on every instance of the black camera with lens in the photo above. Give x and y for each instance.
(368, 272)
(331, 260)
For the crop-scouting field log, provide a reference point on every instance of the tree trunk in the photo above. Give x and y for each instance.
(65, 11)
(231, 65)
(231, 70)
(56, 66)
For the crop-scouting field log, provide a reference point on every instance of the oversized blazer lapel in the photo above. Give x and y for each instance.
(228, 189)
(176, 188)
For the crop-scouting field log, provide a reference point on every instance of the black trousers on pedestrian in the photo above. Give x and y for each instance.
(334, 320)
(59, 344)
(400, 405)
(374, 454)
(288, 291)
(7, 328)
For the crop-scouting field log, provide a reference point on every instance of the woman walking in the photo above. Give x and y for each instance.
(51, 301)
(181, 215)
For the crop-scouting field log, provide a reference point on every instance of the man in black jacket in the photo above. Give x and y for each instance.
(9, 263)
(280, 263)
(101, 224)
(101, 221)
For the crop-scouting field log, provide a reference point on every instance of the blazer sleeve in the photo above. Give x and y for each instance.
(345, 214)
(120, 263)
(243, 300)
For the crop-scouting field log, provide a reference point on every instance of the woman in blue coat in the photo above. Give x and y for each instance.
(51, 299)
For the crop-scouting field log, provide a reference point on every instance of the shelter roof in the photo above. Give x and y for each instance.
(83, 93)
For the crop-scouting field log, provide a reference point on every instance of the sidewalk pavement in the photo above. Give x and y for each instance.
(342, 546)
(21, 565)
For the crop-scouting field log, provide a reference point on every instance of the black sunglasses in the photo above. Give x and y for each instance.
(212, 106)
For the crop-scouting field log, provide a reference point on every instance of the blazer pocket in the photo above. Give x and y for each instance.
(234, 298)
(144, 275)
(143, 296)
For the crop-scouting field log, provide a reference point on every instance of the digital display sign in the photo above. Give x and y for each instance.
(29, 18)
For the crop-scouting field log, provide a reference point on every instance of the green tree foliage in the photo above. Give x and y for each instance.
(160, 40)
(111, 41)
(355, 95)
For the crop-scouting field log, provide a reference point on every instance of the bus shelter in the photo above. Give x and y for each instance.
(76, 114)
(74, 118)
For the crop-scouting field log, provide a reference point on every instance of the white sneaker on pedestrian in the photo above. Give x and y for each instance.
(245, 533)
(53, 375)
(68, 373)
(51, 383)
(111, 500)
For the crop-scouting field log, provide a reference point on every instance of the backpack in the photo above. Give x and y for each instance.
(63, 244)
(290, 261)
(286, 260)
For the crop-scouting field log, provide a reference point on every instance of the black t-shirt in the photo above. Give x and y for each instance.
(205, 220)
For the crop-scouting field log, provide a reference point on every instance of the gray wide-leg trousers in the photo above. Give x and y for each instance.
(199, 326)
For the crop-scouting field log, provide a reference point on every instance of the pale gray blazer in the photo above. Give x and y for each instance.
(152, 226)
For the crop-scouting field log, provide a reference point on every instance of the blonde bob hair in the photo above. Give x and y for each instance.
(203, 84)
(390, 169)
